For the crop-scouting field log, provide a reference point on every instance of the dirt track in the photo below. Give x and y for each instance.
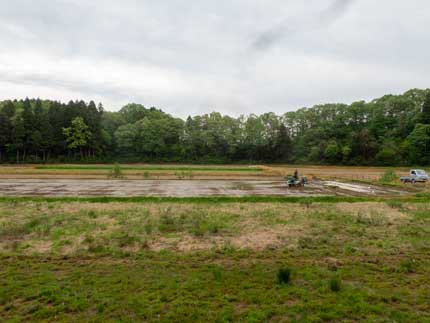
(180, 188)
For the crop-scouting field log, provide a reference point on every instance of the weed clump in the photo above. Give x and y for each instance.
(284, 276)
(388, 177)
(335, 283)
(407, 266)
(394, 204)
(116, 172)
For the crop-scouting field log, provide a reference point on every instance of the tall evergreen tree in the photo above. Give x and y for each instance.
(425, 118)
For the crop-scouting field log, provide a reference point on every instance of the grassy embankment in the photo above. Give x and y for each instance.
(202, 260)
(133, 171)
(152, 168)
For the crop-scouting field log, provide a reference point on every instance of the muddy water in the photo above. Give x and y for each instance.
(173, 188)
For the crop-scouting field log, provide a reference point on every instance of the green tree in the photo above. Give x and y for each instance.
(283, 144)
(77, 135)
(425, 118)
(28, 125)
(126, 138)
(17, 136)
(332, 152)
(417, 145)
(5, 128)
(346, 154)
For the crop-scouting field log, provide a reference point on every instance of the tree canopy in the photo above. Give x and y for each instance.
(391, 130)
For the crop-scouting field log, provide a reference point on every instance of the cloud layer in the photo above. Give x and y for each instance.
(192, 57)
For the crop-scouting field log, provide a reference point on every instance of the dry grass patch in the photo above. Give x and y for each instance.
(370, 209)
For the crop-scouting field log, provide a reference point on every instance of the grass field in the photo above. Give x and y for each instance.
(215, 260)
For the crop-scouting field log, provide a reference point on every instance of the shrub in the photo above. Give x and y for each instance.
(335, 283)
(284, 275)
(146, 175)
(388, 177)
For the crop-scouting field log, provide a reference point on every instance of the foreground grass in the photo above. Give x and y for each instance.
(214, 262)
(416, 198)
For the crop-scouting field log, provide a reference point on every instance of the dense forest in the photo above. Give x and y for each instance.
(392, 130)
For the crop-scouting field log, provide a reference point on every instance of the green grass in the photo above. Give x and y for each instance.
(365, 263)
(306, 201)
(151, 168)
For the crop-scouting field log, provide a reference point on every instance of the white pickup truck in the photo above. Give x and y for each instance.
(415, 175)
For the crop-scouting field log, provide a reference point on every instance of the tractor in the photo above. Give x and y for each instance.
(293, 181)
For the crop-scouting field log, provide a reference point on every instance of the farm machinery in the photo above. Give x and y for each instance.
(296, 181)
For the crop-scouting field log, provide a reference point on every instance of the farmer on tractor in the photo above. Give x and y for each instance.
(295, 181)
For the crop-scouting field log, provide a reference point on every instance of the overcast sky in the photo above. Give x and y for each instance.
(197, 56)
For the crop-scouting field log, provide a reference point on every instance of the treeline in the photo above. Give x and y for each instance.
(392, 130)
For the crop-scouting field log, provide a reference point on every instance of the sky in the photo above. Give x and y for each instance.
(191, 57)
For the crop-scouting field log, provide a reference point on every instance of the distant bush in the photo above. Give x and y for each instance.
(388, 177)
(335, 283)
(116, 172)
(284, 275)
(146, 175)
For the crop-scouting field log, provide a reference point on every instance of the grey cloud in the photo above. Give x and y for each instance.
(56, 82)
(290, 25)
(218, 49)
